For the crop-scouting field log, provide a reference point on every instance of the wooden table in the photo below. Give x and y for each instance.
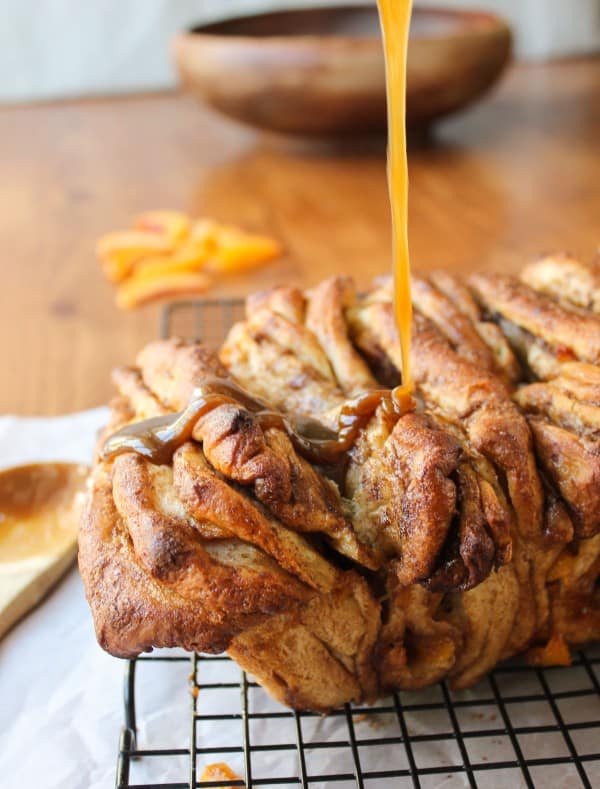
(516, 175)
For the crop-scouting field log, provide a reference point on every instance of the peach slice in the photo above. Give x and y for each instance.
(239, 251)
(179, 262)
(555, 653)
(138, 290)
(191, 255)
(220, 771)
(174, 225)
(205, 232)
(121, 250)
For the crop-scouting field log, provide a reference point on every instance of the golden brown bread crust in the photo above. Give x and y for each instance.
(136, 598)
(416, 647)
(238, 448)
(449, 305)
(471, 527)
(171, 370)
(566, 332)
(155, 577)
(294, 350)
(406, 485)
(564, 415)
(575, 592)
(476, 407)
(206, 552)
(424, 539)
(326, 305)
(568, 280)
(319, 657)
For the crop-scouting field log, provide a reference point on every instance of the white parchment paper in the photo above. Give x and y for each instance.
(59, 693)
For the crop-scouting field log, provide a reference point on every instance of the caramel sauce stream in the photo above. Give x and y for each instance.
(395, 22)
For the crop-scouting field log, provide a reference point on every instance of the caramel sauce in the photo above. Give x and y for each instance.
(37, 514)
(395, 21)
(158, 438)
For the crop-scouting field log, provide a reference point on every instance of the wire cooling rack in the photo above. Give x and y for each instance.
(520, 726)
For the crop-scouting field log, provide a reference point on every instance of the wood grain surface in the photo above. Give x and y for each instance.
(515, 176)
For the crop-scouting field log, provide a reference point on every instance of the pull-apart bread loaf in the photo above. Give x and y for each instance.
(445, 538)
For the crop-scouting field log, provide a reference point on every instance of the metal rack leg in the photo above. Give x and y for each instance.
(129, 698)
(127, 740)
(126, 746)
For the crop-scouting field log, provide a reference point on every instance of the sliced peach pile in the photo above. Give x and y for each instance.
(167, 254)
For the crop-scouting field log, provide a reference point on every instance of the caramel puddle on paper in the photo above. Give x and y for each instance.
(39, 514)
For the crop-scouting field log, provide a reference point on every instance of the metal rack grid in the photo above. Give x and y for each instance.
(525, 726)
(487, 736)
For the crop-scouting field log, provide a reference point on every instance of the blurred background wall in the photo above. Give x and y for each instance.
(57, 48)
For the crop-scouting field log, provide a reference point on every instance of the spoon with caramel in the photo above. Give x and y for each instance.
(39, 512)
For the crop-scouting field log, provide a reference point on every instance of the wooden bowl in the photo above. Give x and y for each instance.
(320, 71)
